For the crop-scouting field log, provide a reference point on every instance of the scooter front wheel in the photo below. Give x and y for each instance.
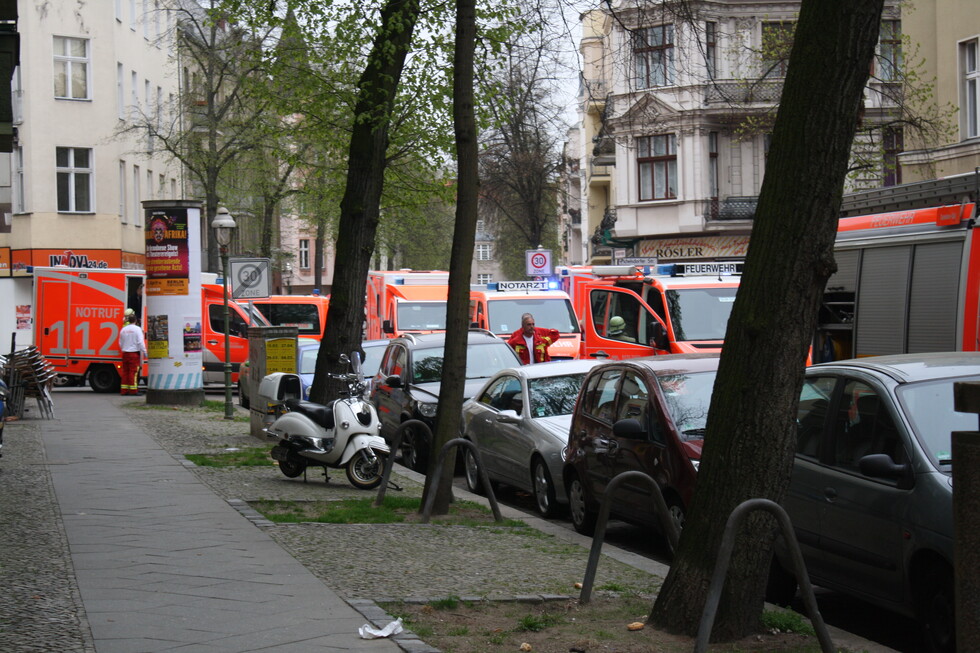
(293, 467)
(364, 470)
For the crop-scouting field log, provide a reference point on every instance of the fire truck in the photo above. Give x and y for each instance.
(78, 313)
(908, 272)
(629, 311)
(498, 307)
(403, 301)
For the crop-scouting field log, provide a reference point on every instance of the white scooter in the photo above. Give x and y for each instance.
(344, 433)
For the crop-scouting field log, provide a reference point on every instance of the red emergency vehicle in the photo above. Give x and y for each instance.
(79, 312)
(402, 301)
(629, 311)
(906, 282)
(498, 307)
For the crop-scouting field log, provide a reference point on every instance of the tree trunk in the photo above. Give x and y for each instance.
(320, 245)
(751, 432)
(461, 261)
(360, 206)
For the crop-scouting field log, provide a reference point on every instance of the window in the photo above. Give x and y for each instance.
(657, 164)
(481, 226)
(119, 10)
(137, 198)
(70, 68)
(484, 278)
(120, 92)
(483, 252)
(713, 164)
(132, 15)
(777, 41)
(600, 395)
(149, 184)
(889, 50)
(74, 172)
(969, 54)
(304, 253)
(20, 203)
(123, 213)
(811, 415)
(653, 51)
(892, 146)
(134, 95)
(711, 49)
(146, 20)
(864, 426)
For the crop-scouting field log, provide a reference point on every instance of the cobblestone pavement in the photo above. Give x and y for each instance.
(40, 608)
(371, 561)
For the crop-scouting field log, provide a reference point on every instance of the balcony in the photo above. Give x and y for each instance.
(743, 92)
(734, 207)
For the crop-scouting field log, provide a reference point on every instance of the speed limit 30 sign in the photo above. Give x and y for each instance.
(249, 278)
(538, 262)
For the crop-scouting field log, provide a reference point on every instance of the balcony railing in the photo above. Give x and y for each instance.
(744, 92)
(735, 207)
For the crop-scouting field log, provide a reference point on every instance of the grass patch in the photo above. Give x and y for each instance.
(448, 603)
(786, 621)
(244, 457)
(363, 511)
(534, 623)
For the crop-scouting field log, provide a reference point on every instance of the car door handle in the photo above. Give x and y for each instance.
(602, 445)
(599, 354)
(212, 342)
(830, 494)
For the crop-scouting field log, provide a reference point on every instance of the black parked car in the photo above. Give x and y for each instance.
(871, 496)
(407, 384)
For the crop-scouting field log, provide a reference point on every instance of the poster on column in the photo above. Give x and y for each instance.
(192, 334)
(157, 336)
(167, 258)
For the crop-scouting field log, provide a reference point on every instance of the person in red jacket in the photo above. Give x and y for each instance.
(528, 338)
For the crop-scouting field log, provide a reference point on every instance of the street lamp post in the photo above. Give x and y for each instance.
(223, 224)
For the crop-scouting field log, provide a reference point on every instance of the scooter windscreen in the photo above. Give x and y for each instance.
(355, 363)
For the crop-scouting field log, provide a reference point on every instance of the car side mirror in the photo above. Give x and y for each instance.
(386, 327)
(630, 429)
(658, 339)
(881, 465)
(393, 381)
(508, 417)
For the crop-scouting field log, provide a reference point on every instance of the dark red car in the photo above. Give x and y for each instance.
(642, 414)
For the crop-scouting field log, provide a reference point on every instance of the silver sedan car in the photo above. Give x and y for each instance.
(519, 422)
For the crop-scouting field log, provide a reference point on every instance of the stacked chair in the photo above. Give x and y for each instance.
(28, 376)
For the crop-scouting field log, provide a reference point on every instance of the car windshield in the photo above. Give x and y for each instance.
(700, 313)
(483, 360)
(929, 407)
(554, 395)
(688, 398)
(548, 312)
(422, 316)
(305, 317)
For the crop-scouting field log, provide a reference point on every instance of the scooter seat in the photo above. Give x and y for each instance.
(320, 414)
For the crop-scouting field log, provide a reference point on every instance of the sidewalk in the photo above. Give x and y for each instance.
(164, 561)
(164, 564)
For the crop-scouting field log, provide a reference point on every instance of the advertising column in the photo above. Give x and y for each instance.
(173, 302)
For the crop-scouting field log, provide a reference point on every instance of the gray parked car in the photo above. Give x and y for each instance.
(871, 493)
(519, 422)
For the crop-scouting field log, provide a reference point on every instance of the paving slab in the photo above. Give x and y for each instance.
(164, 564)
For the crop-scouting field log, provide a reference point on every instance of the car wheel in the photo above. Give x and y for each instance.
(242, 396)
(473, 482)
(544, 489)
(936, 609)
(582, 514)
(415, 450)
(103, 378)
(675, 510)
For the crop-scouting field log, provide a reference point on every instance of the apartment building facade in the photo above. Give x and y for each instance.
(675, 118)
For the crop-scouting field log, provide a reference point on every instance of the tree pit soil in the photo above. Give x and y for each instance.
(564, 626)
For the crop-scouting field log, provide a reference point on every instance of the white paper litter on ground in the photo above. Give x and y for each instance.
(367, 631)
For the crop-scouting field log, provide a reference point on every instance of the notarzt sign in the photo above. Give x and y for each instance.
(522, 285)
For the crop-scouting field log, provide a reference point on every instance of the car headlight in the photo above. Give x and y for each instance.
(428, 410)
